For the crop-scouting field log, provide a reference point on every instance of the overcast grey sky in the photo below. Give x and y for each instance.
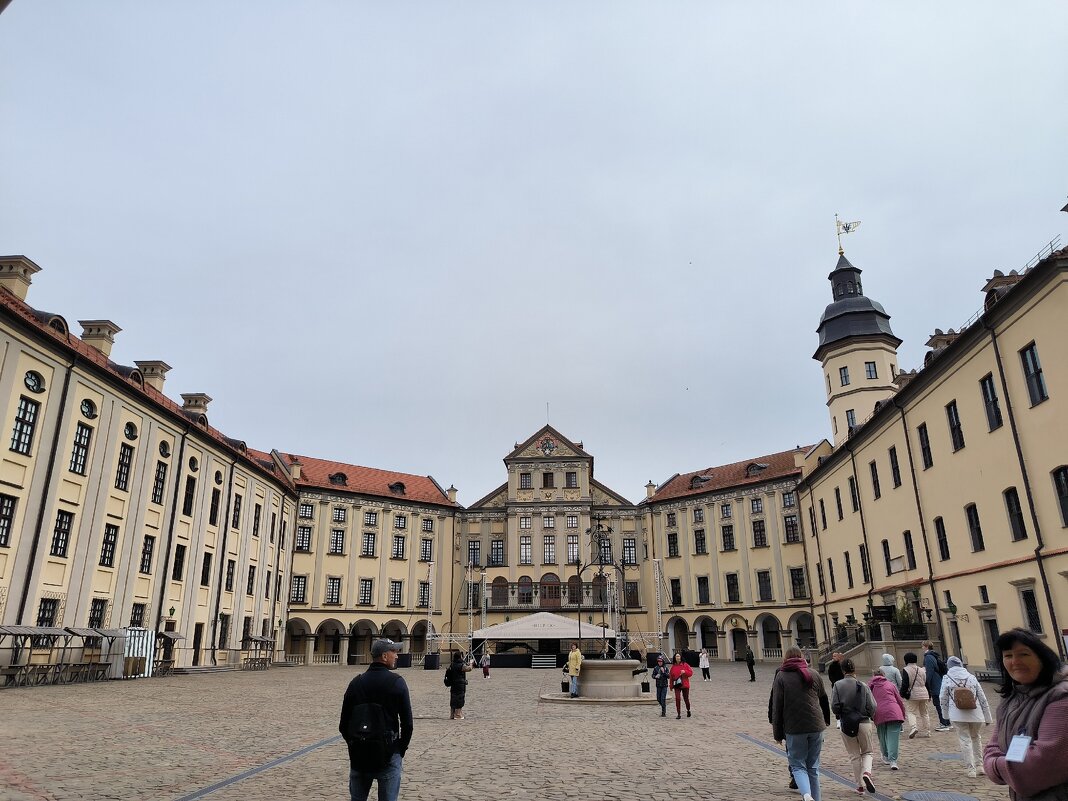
(390, 233)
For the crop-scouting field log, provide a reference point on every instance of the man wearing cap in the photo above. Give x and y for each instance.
(378, 685)
(660, 676)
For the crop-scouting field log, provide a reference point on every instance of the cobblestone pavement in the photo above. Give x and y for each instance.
(192, 737)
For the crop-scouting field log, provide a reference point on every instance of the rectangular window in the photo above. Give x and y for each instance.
(205, 571)
(843, 376)
(548, 550)
(819, 578)
(865, 564)
(1031, 614)
(606, 551)
(61, 533)
(956, 432)
(231, 570)
(1036, 384)
(496, 553)
(571, 480)
(671, 519)
(572, 521)
(298, 589)
(1060, 486)
(990, 401)
(525, 555)
(83, 435)
(257, 512)
(812, 518)
(548, 521)
(368, 547)
(756, 505)
(734, 595)
(426, 550)
(792, 529)
(190, 496)
(849, 568)
(676, 592)
(525, 481)
(367, 587)
(830, 575)
(823, 516)
(789, 500)
(942, 538)
(337, 540)
(984, 596)
(727, 532)
(699, 545)
(250, 584)
(107, 546)
(122, 472)
(726, 510)
(305, 511)
(395, 592)
(224, 632)
(98, 608)
(146, 554)
(851, 419)
(178, 568)
(333, 590)
(25, 423)
(7, 515)
(838, 501)
(895, 468)
(423, 601)
(876, 491)
(673, 543)
(760, 535)
(524, 522)
(910, 550)
(370, 518)
(572, 549)
(698, 515)
(854, 495)
(339, 514)
(630, 551)
(547, 481)
(474, 552)
(397, 551)
(764, 586)
(137, 616)
(870, 370)
(1015, 512)
(236, 522)
(974, 528)
(925, 446)
(702, 590)
(630, 595)
(302, 542)
(47, 611)
(428, 525)
(159, 482)
(886, 557)
(798, 585)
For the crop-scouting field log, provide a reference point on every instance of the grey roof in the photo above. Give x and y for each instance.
(852, 314)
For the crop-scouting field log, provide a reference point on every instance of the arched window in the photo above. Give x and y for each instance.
(499, 592)
(550, 590)
(526, 590)
(574, 590)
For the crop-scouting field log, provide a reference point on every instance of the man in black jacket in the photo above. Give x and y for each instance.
(379, 686)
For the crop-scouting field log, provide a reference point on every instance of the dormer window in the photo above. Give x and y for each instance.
(754, 469)
(397, 487)
(338, 479)
(699, 481)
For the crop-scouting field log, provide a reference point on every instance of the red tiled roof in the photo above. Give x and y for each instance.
(779, 465)
(368, 480)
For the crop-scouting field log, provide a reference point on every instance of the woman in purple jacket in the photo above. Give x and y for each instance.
(889, 715)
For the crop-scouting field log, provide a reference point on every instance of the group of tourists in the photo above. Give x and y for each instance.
(1026, 750)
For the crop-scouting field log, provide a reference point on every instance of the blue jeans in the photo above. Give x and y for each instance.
(388, 782)
(803, 751)
(661, 697)
(574, 685)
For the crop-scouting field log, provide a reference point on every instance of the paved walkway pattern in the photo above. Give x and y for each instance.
(273, 735)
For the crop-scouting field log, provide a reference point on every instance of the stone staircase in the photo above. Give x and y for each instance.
(200, 670)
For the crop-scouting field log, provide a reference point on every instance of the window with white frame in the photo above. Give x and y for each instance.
(548, 521)
(426, 550)
(368, 547)
(525, 555)
(367, 587)
(726, 510)
(333, 591)
(424, 595)
(370, 518)
(572, 549)
(303, 539)
(340, 514)
(306, 511)
(524, 522)
(298, 592)
(428, 524)
(395, 587)
(756, 505)
(572, 521)
(397, 552)
(400, 522)
(549, 549)
(337, 540)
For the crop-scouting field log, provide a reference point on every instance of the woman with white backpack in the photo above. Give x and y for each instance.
(964, 704)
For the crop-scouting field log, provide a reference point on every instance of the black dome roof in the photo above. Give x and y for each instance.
(851, 314)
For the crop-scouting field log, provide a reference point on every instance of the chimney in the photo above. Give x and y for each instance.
(196, 402)
(100, 334)
(294, 470)
(154, 373)
(650, 489)
(451, 492)
(16, 274)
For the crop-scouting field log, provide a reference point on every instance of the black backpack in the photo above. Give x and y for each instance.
(370, 737)
(448, 677)
(906, 684)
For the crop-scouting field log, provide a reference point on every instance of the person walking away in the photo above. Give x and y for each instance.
(750, 661)
(680, 682)
(835, 675)
(890, 671)
(889, 715)
(574, 665)
(854, 705)
(964, 703)
(771, 697)
(702, 662)
(917, 700)
(377, 724)
(484, 663)
(661, 677)
(799, 714)
(1027, 748)
(935, 669)
(456, 681)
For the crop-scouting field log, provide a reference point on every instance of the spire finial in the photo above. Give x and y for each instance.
(844, 228)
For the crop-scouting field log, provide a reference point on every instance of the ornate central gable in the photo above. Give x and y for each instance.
(547, 443)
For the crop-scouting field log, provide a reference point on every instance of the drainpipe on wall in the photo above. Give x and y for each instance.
(44, 496)
(222, 567)
(170, 528)
(1027, 488)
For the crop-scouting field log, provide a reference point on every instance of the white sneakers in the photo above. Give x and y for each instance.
(971, 773)
(893, 765)
(807, 797)
(912, 734)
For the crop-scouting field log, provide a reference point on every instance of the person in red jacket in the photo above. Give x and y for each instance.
(889, 715)
(680, 683)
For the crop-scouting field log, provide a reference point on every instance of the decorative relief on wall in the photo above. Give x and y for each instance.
(572, 494)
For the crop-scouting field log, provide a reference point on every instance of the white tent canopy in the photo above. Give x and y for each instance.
(544, 626)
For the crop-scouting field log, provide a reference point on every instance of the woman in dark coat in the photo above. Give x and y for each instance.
(458, 685)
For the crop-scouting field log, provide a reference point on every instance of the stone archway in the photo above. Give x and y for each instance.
(770, 640)
(679, 635)
(297, 634)
(361, 634)
(328, 641)
(804, 629)
(708, 635)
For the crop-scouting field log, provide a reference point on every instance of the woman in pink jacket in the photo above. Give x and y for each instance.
(889, 715)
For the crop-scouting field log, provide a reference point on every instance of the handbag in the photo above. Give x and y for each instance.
(678, 682)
